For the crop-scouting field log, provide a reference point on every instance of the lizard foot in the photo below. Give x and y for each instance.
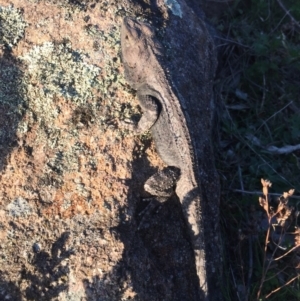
(162, 186)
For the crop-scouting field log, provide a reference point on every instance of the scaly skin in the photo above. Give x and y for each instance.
(165, 113)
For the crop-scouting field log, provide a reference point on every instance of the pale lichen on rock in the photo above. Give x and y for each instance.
(59, 69)
(19, 207)
(56, 71)
(12, 88)
(12, 26)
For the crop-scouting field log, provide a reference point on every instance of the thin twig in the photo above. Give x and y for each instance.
(237, 291)
(259, 193)
(265, 270)
(274, 29)
(268, 130)
(273, 276)
(295, 22)
(251, 148)
(264, 92)
(240, 176)
(279, 288)
(250, 268)
(274, 115)
(231, 41)
(282, 150)
(264, 273)
(290, 250)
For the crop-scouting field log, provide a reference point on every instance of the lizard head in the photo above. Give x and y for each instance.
(134, 33)
(137, 44)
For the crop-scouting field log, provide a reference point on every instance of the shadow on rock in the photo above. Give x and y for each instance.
(9, 290)
(48, 276)
(158, 261)
(44, 278)
(11, 103)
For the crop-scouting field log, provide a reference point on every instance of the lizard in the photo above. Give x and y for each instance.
(165, 114)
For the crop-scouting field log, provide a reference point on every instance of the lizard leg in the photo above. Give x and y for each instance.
(162, 186)
(150, 108)
(154, 205)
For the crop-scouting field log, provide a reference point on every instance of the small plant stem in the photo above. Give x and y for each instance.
(264, 273)
(264, 92)
(293, 248)
(259, 193)
(268, 164)
(279, 288)
(273, 276)
(273, 115)
(265, 270)
(240, 177)
(250, 266)
(237, 291)
(295, 22)
(232, 42)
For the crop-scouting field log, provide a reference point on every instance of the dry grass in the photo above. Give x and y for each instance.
(259, 131)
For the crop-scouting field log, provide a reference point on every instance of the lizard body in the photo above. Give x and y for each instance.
(164, 112)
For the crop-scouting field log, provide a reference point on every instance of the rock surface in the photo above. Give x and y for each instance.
(71, 177)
